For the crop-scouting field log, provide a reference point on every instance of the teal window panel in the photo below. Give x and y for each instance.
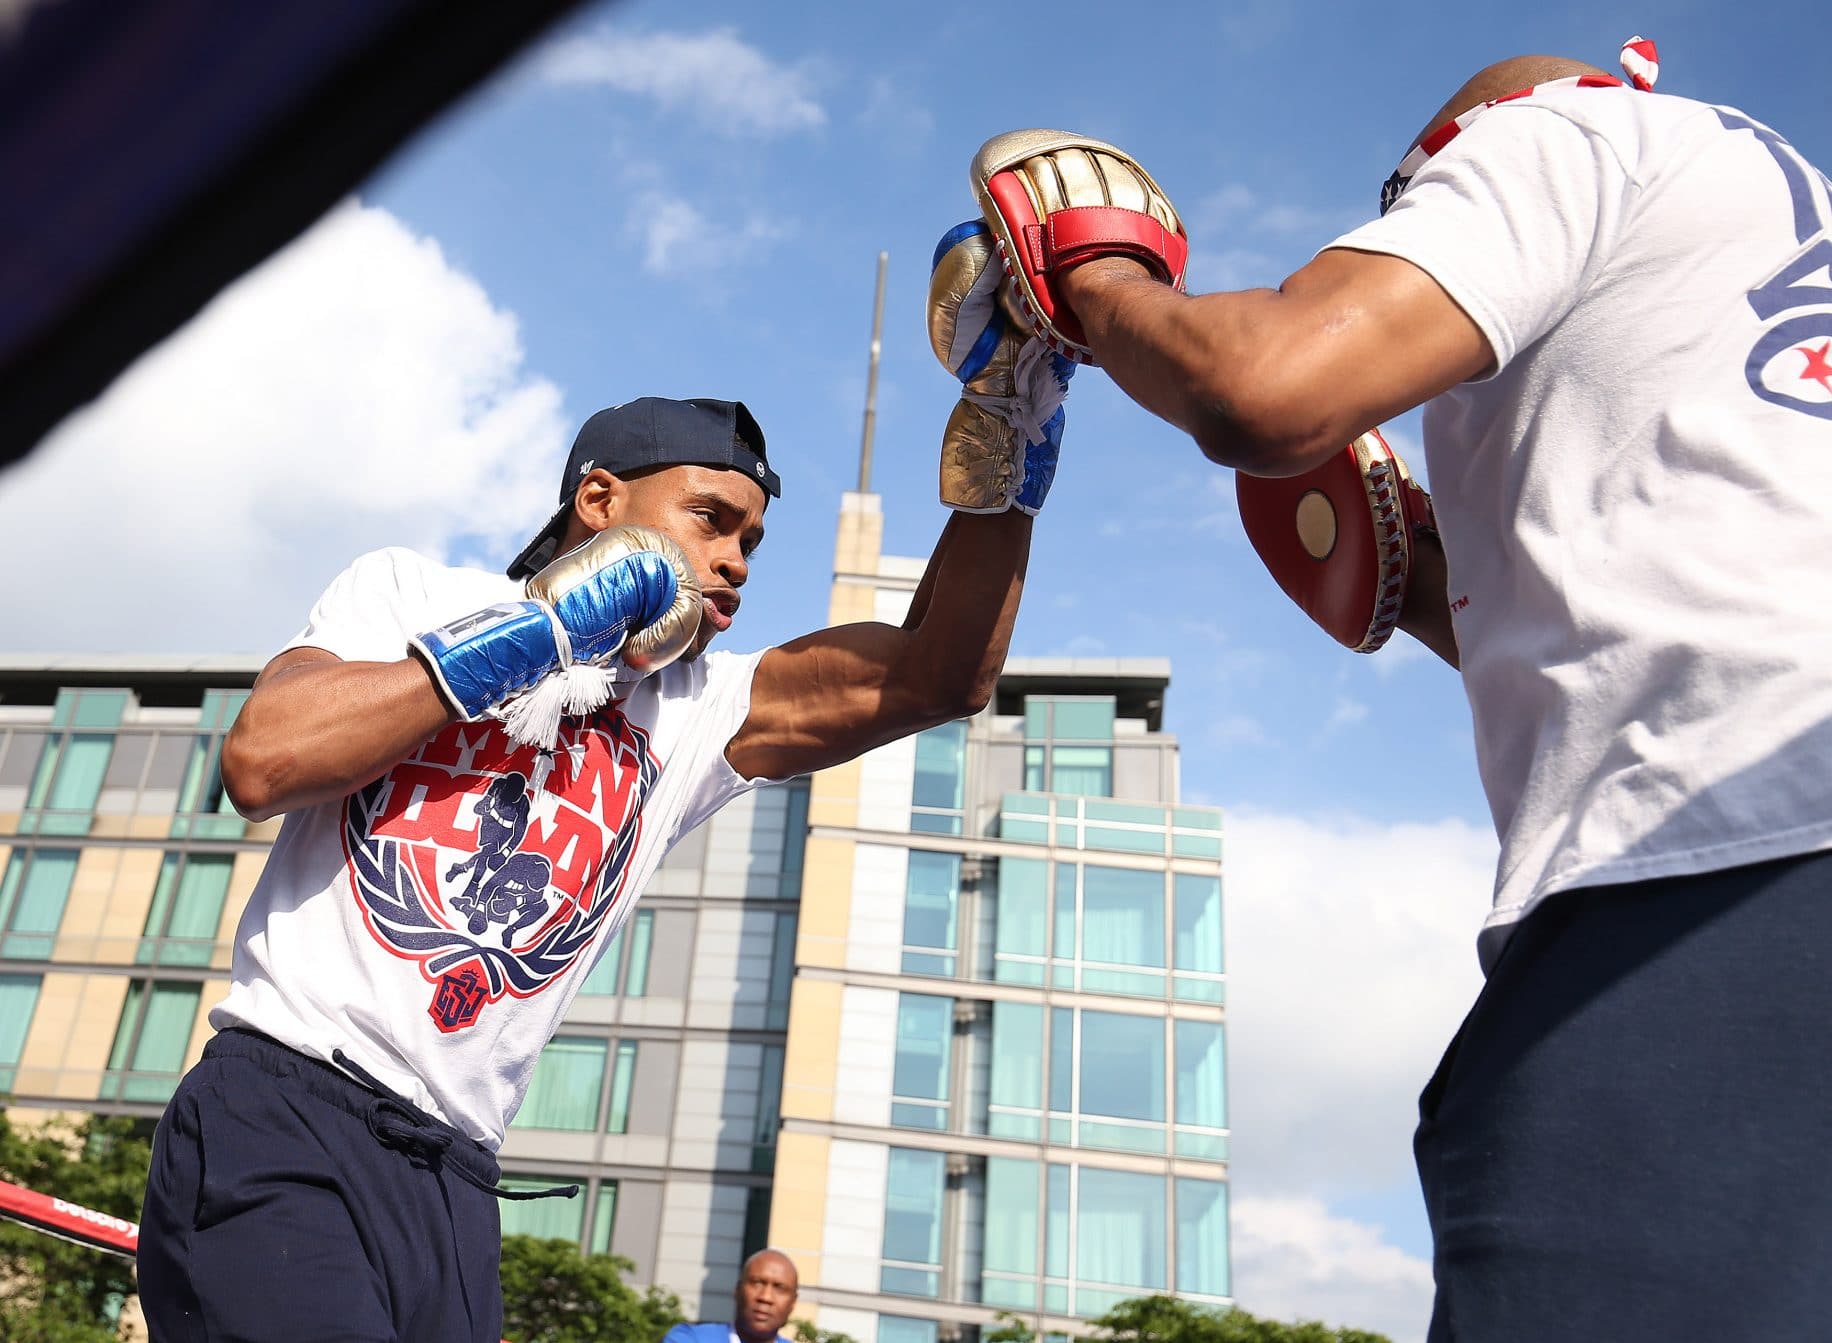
(1198, 922)
(1122, 1066)
(568, 1080)
(150, 1042)
(1062, 976)
(69, 781)
(1120, 1137)
(1207, 1146)
(1013, 1293)
(1057, 1216)
(941, 754)
(33, 893)
(1132, 983)
(1001, 1124)
(935, 823)
(1017, 1059)
(1007, 971)
(642, 939)
(1196, 818)
(1022, 909)
(782, 970)
(1037, 717)
(1130, 813)
(1056, 1298)
(90, 708)
(1202, 1097)
(1202, 1237)
(794, 839)
(1083, 771)
(601, 982)
(604, 1217)
(1122, 916)
(1062, 1131)
(1022, 804)
(912, 1222)
(769, 1109)
(1198, 990)
(1066, 923)
(1122, 841)
(927, 963)
(1014, 1203)
(623, 1076)
(903, 1329)
(1024, 832)
(187, 906)
(542, 1218)
(919, 1072)
(1195, 846)
(1068, 836)
(1062, 1059)
(18, 1000)
(1119, 1234)
(1078, 719)
(931, 903)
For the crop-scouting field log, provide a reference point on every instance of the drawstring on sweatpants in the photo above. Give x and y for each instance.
(400, 1126)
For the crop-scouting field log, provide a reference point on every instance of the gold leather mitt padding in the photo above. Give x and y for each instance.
(655, 645)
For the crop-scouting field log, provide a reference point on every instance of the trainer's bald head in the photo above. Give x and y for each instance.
(1505, 77)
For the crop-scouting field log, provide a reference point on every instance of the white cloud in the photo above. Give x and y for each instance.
(1351, 959)
(715, 76)
(899, 116)
(354, 391)
(680, 240)
(1347, 713)
(1294, 1260)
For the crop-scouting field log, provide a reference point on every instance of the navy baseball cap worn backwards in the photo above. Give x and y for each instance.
(652, 431)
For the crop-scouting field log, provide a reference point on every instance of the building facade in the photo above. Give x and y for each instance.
(945, 1024)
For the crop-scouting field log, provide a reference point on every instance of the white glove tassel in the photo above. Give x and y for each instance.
(533, 717)
(1040, 392)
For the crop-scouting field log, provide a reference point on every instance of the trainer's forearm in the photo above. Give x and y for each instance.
(317, 730)
(1205, 364)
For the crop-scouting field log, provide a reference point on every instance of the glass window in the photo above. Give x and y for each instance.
(756, 1222)
(1036, 772)
(1015, 1093)
(204, 809)
(90, 708)
(1009, 1275)
(564, 1093)
(1119, 1238)
(1198, 939)
(18, 998)
(32, 896)
(931, 906)
(1023, 920)
(794, 839)
(1122, 923)
(187, 907)
(903, 1329)
(782, 971)
(150, 1042)
(1083, 771)
(602, 981)
(542, 1218)
(936, 797)
(919, 1077)
(769, 1111)
(604, 1217)
(642, 939)
(1202, 1237)
(1083, 719)
(69, 779)
(912, 1222)
(623, 1073)
(1121, 1073)
(1202, 1097)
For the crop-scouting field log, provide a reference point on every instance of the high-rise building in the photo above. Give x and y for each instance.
(945, 1024)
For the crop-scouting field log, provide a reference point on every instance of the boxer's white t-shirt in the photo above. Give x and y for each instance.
(435, 925)
(1637, 508)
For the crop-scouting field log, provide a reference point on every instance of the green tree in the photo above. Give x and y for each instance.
(554, 1294)
(804, 1332)
(1166, 1319)
(56, 1292)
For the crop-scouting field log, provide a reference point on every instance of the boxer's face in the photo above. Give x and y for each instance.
(714, 515)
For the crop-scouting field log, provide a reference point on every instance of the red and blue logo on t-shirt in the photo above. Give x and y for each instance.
(494, 885)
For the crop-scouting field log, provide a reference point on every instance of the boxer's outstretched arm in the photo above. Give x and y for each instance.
(317, 728)
(1272, 381)
(824, 698)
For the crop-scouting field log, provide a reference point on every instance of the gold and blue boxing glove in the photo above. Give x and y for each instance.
(627, 594)
(1000, 445)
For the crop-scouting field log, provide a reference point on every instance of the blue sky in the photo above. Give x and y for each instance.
(689, 200)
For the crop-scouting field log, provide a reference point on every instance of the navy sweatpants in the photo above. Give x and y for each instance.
(288, 1204)
(1631, 1136)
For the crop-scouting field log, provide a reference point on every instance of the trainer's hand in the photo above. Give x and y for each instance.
(1057, 201)
(626, 589)
(1000, 445)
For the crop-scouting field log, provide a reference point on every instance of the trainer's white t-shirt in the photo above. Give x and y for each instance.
(436, 924)
(1637, 508)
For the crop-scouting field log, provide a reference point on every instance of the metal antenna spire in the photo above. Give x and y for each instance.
(871, 379)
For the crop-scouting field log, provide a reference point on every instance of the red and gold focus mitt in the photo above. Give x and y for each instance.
(1056, 201)
(1339, 538)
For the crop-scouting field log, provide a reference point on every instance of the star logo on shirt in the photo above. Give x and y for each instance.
(1819, 367)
